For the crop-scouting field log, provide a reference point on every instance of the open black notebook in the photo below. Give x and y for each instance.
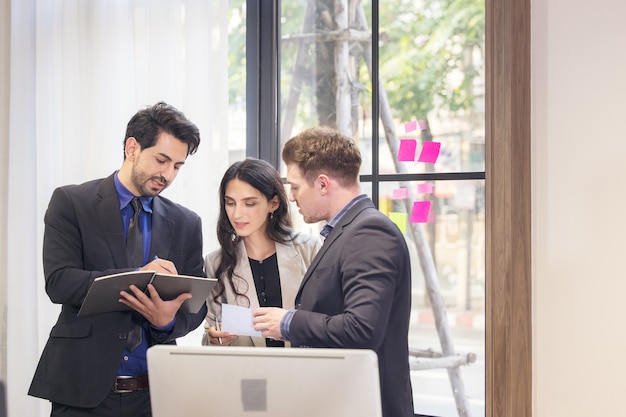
(104, 293)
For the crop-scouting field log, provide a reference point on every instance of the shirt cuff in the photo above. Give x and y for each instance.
(285, 323)
(165, 329)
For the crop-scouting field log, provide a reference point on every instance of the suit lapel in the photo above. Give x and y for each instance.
(289, 264)
(162, 229)
(107, 207)
(337, 231)
(245, 271)
(108, 215)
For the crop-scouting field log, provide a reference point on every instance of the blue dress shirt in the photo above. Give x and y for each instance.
(134, 363)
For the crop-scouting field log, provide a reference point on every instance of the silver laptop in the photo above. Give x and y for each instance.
(250, 381)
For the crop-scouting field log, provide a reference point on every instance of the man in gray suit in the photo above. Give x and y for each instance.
(95, 365)
(357, 291)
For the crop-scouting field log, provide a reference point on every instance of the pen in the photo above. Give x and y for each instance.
(217, 327)
(155, 258)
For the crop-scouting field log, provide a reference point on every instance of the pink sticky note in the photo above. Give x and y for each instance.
(420, 211)
(425, 188)
(410, 126)
(430, 152)
(423, 124)
(400, 193)
(406, 151)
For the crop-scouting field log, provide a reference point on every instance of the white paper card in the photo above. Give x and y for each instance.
(238, 320)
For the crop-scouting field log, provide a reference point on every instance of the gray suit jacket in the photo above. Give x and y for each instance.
(357, 294)
(84, 239)
(293, 258)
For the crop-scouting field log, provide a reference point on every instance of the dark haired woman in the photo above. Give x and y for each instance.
(261, 261)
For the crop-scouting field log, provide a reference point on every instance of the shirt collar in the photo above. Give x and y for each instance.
(335, 219)
(124, 195)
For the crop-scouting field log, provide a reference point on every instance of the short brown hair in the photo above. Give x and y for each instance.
(320, 150)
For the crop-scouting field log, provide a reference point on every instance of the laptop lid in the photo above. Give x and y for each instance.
(250, 381)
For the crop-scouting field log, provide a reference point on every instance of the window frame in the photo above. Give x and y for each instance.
(263, 80)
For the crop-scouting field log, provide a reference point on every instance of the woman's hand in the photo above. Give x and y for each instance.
(218, 337)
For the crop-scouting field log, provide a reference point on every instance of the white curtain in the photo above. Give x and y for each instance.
(77, 71)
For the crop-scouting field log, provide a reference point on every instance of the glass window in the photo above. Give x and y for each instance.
(423, 157)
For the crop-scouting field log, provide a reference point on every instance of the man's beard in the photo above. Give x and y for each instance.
(140, 182)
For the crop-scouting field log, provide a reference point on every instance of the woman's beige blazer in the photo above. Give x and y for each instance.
(294, 257)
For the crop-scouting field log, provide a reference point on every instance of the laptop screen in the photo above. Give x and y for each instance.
(250, 381)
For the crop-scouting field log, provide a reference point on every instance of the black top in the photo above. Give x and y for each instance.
(267, 283)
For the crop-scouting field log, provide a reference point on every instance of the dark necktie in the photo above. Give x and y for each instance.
(134, 237)
(134, 247)
(326, 230)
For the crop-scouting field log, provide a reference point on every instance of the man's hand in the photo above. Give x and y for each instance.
(267, 320)
(158, 312)
(159, 265)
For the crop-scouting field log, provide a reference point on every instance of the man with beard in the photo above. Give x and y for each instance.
(95, 365)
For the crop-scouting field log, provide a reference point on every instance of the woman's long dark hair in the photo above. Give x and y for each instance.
(263, 177)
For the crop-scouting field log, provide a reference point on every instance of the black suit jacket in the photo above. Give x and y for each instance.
(84, 239)
(357, 294)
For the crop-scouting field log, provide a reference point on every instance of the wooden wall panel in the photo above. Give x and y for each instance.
(508, 231)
